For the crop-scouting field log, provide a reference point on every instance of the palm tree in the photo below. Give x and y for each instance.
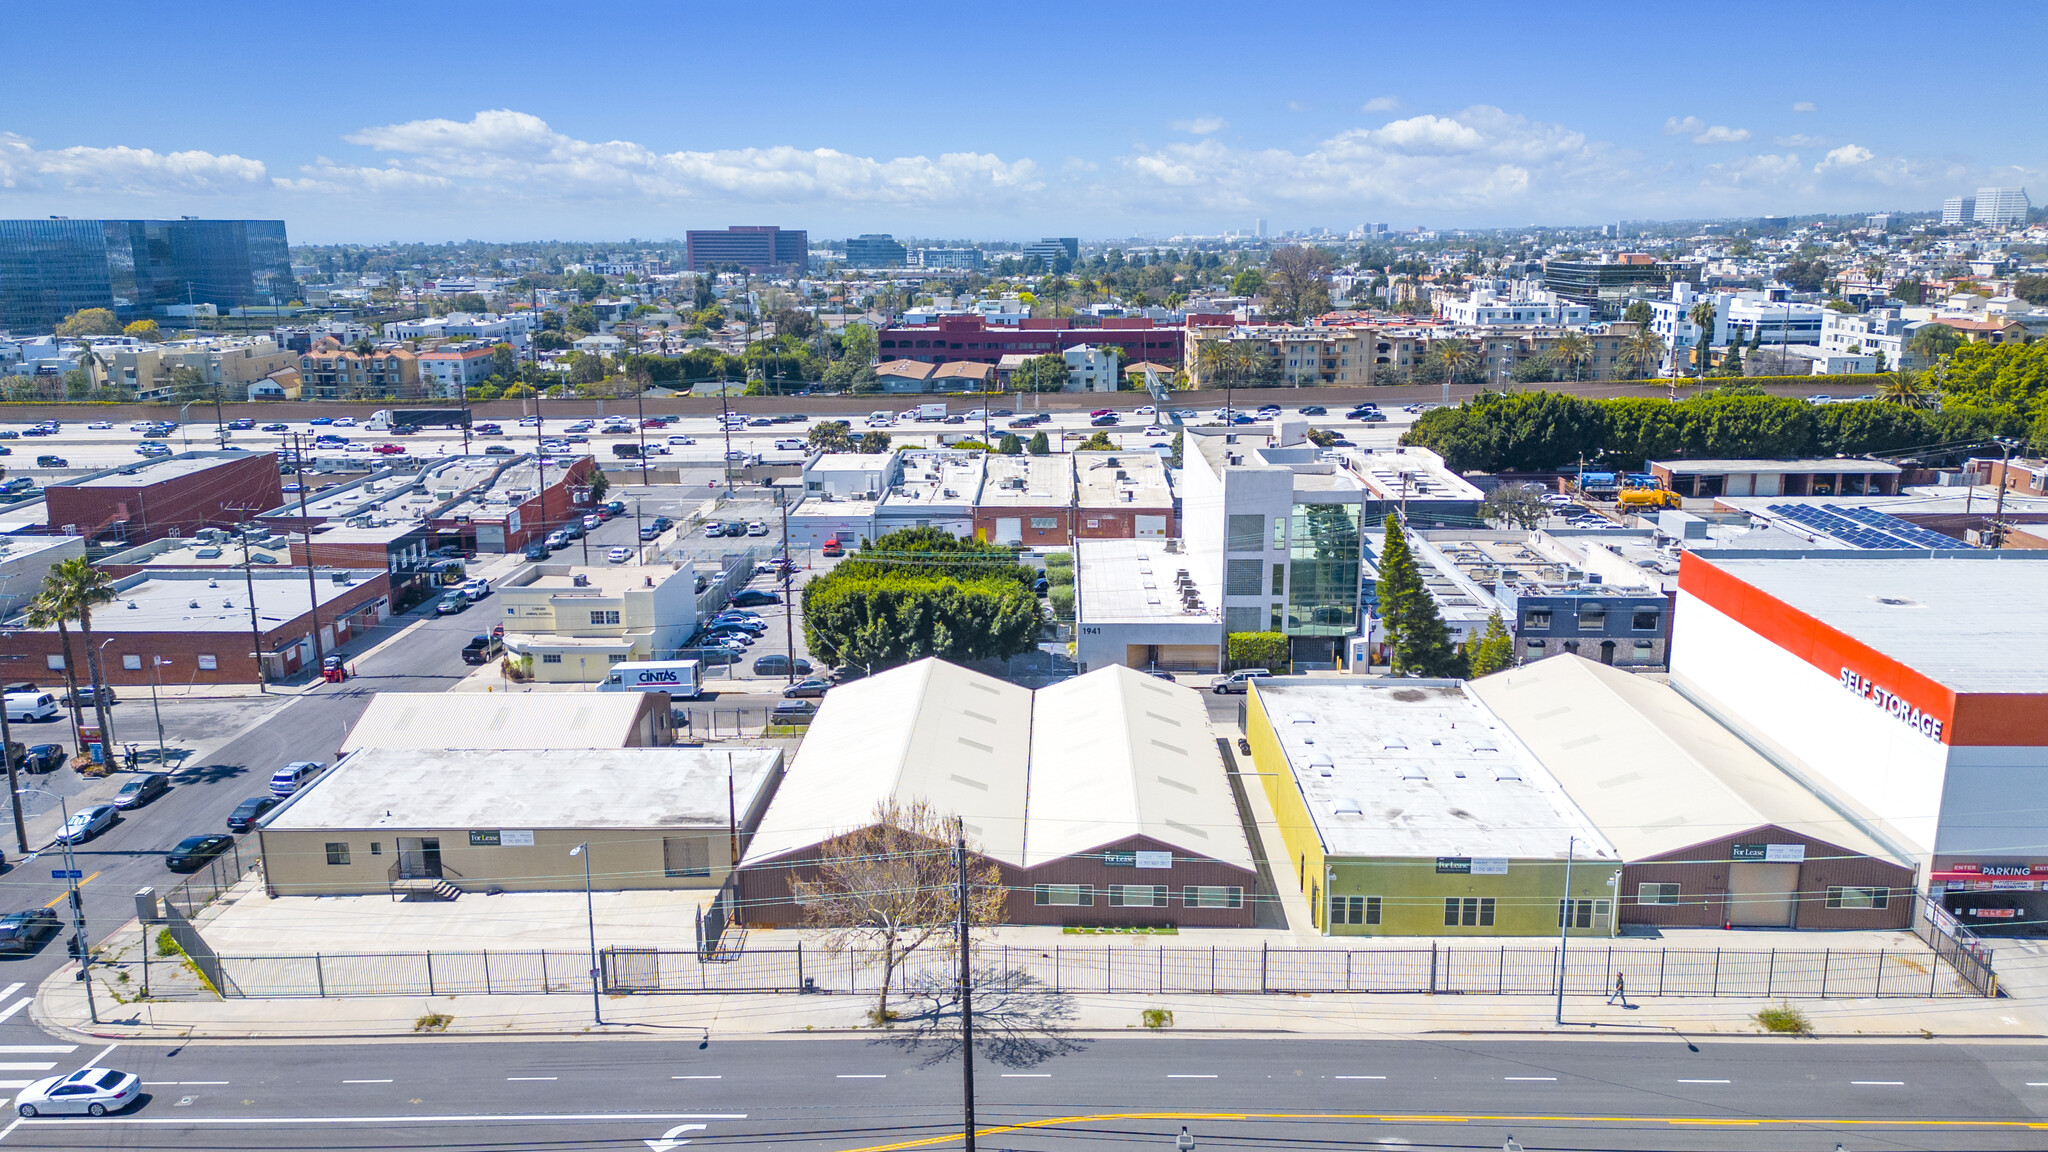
(1703, 316)
(1907, 390)
(1455, 356)
(1572, 351)
(43, 612)
(73, 586)
(1642, 352)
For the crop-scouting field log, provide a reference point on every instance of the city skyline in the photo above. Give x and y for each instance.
(1384, 115)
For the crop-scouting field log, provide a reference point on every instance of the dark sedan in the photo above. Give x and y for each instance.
(193, 852)
(44, 758)
(249, 811)
(28, 931)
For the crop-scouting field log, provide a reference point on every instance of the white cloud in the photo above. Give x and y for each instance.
(1800, 141)
(1381, 104)
(515, 153)
(1200, 125)
(1803, 106)
(1701, 133)
(121, 169)
(1848, 155)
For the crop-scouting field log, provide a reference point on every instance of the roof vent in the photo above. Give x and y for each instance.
(1347, 806)
(192, 604)
(132, 604)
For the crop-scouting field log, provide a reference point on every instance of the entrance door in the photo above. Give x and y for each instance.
(1760, 895)
(1607, 651)
(419, 858)
(1009, 530)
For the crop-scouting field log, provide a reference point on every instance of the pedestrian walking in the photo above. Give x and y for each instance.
(1620, 991)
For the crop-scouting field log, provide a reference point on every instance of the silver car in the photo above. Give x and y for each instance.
(88, 823)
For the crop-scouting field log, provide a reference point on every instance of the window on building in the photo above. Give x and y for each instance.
(337, 852)
(1243, 619)
(1592, 618)
(1137, 895)
(604, 616)
(1583, 913)
(1646, 621)
(1656, 893)
(1645, 647)
(1536, 618)
(1064, 895)
(1241, 578)
(131, 663)
(551, 658)
(1044, 523)
(1354, 909)
(1211, 896)
(685, 856)
(1246, 534)
(1468, 911)
(1279, 580)
(55, 663)
(1858, 898)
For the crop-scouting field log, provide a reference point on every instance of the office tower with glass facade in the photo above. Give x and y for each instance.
(872, 250)
(137, 268)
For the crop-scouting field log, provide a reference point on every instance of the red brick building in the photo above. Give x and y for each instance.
(171, 495)
(973, 339)
(1122, 496)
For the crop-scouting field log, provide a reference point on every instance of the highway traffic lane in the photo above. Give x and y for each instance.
(842, 1093)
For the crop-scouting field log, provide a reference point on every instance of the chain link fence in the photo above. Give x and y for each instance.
(1440, 970)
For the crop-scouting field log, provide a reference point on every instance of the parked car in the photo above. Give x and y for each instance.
(808, 687)
(538, 550)
(482, 649)
(557, 540)
(193, 852)
(592, 521)
(793, 712)
(136, 793)
(649, 532)
(88, 1091)
(293, 776)
(750, 627)
(619, 555)
(452, 603)
(249, 811)
(757, 528)
(476, 588)
(713, 529)
(1238, 682)
(43, 758)
(30, 930)
(735, 528)
(87, 823)
(754, 598)
(87, 694)
(776, 664)
(833, 547)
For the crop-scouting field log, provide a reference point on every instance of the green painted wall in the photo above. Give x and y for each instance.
(1412, 895)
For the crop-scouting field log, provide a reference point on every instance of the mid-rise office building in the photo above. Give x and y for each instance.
(137, 268)
(2001, 206)
(873, 250)
(1052, 249)
(1959, 210)
(1607, 289)
(755, 247)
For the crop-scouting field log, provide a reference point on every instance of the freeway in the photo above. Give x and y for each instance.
(1230, 1092)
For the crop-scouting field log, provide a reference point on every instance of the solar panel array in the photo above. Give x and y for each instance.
(1863, 527)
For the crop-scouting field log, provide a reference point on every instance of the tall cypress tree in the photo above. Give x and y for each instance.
(1415, 631)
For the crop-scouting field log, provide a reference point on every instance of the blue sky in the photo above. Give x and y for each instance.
(423, 121)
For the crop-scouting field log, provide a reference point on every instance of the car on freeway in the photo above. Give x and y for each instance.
(754, 598)
(344, 422)
(86, 1092)
(138, 426)
(682, 439)
(1238, 682)
(277, 428)
(30, 930)
(249, 811)
(452, 603)
(1313, 410)
(365, 449)
(529, 421)
(152, 450)
(487, 430)
(9, 434)
(389, 449)
(1269, 409)
(619, 555)
(761, 422)
(323, 421)
(101, 425)
(810, 686)
(241, 425)
(136, 793)
(1107, 421)
(52, 462)
(497, 450)
(194, 852)
(293, 776)
(579, 426)
(87, 823)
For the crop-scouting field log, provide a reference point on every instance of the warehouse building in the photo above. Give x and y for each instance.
(1142, 604)
(1122, 496)
(1408, 810)
(437, 823)
(532, 721)
(1711, 833)
(1908, 687)
(173, 495)
(1101, 801)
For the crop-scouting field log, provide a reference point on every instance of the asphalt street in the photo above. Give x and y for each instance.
(846, 1094)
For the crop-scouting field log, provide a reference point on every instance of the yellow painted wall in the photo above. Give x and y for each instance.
(1412, 894)
(1303, 863)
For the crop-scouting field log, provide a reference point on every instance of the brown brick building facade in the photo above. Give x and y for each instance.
(174, 495)
(1831, 887)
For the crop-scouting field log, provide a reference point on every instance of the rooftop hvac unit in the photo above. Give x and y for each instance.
(207, 553)
(260, 558)
(339, 577)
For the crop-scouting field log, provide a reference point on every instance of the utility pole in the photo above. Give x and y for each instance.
(306, 530)
(966, 986)
(249, 581)
(13, 782)
(725, 423)
(1998, 514)
(1564, 924)
(788, 602)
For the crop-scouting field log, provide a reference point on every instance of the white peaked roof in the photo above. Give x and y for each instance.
(495, 720)
(1654, 772)
(931, 730)
(1117, 753)
(1096, 759)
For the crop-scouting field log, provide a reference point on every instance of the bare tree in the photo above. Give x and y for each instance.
(1297, 284)
(1018, 1021)
(892, 887)
(1516, 505)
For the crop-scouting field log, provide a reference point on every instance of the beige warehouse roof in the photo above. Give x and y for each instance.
(1652, 771)
(1117, 753)
(931, 730)
(494, 720)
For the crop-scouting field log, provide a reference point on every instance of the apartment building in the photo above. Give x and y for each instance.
(330, 371)
(513, 328)
(972, 337)
(1091, 369)
(449, 369)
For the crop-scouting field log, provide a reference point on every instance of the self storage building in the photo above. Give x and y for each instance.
(1102, 800)
(1711, 833)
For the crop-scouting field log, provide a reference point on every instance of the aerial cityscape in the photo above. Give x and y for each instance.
(680, 577)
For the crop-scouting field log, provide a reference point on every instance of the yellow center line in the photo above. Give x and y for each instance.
(82, 883)
(1395, 1118)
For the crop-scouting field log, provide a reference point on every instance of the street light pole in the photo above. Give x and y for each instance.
(77, 905)
(966, 985)
(590, 909)
(13, 781)
(156, 704)
(1564, 923)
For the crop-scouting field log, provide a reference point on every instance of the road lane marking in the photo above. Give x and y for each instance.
(30, 1066)
(696, 1077)
(366, 1081)
(1879, 1083)
(15, 1083)
(184, 1083)
(1027, 1075)
(17, 1006)
(25, 1049)
(1360, 1077)
(512, 1078)
(1704, 1081)
(104, 1053)
(487, 1118)
(10, 990)
(1528, 1077)
(1190, 1075)
(863, 1076)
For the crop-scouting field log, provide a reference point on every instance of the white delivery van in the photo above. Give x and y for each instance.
(678, 678)
(23, 707)
(929, 412)
(881, 419)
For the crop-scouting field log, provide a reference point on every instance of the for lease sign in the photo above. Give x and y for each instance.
(1894, 705)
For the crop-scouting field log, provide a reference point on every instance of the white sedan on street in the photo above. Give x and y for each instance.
(88, 1091)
